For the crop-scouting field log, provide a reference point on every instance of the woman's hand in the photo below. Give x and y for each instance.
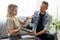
(23, 23)
(28, 17)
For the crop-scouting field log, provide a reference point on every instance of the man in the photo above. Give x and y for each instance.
(41, 22)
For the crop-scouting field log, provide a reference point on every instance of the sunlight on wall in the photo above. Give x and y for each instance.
(52, 9)
(25, 7)
(58, 4)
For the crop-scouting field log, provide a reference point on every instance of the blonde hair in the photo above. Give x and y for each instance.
(10, 10)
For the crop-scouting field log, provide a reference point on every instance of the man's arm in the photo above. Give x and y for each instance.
(46, 27)
(41, 32)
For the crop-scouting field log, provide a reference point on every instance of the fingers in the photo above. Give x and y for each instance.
(31, 33)
(28, 17)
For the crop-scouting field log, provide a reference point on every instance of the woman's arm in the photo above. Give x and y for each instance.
(12, 31)
(10, 27)
(24, 20)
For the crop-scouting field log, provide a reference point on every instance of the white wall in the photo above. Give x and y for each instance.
(27, 7)
(58, 2)
(52, 9)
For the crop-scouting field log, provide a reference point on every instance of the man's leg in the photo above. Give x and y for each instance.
(50, 37)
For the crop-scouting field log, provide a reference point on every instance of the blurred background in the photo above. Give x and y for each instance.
(27, 8)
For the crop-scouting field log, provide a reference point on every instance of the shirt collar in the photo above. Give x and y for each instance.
(44, 15)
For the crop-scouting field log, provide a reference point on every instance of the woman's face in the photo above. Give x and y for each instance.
(15, 11)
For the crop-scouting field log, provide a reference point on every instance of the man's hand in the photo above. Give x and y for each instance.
(39, 33)
(32, 33)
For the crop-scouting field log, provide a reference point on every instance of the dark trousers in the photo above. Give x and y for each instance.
(46, 37)
(15, 37)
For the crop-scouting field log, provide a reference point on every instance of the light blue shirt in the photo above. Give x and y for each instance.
(46, 20)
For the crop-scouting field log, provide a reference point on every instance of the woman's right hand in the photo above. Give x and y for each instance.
(28, 17)
(19, 28)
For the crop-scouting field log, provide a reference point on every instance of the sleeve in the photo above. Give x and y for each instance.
(47, 25)
(34, 16)
(9, 24)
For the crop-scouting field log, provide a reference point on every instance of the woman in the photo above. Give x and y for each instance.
(13, 23)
